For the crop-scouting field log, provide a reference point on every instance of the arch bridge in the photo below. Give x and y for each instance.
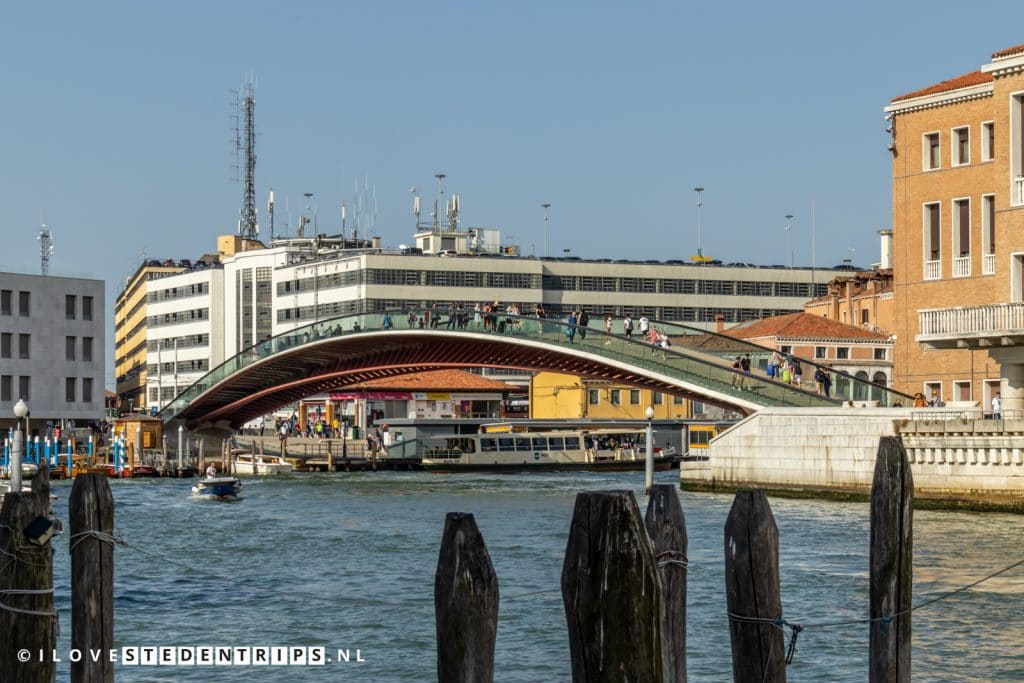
(332, 354)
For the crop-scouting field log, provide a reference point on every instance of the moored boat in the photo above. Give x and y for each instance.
(557, 450)
(221, 488)
(257, 464)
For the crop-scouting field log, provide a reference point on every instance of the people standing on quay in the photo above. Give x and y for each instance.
(997, 407)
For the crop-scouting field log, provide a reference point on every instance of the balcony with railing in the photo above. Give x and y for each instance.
(988, 264)
(1018, 190)
(972, 326)
(962, 266)
(932, 270)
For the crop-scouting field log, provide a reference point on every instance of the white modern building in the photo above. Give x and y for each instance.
(52, 348)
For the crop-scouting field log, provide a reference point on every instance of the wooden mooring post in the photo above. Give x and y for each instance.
(666, 526)
(28, 620)
(752, 590)
(465, 603)
(91, 510)
(612, 592)
(892, 517)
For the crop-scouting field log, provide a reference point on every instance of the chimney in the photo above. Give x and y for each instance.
(719, 322)
(886, 236)
(376, 243)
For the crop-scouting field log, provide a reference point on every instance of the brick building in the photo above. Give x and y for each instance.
(958, 213)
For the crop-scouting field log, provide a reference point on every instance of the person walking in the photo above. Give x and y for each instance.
(582, 320)
(644, 326)
(627, 326)
(608, 329)
(997, 407)
(570, 331)
(745, 367)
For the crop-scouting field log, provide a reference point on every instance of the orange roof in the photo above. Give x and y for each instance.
(973, 78)
(435, 380)
(803, 326)
(1008, 51)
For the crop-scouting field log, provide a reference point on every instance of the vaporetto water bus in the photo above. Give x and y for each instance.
(614, 450)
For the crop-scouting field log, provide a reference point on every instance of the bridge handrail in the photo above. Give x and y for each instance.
(712, 370)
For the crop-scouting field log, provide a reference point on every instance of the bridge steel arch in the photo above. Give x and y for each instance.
(335, 362)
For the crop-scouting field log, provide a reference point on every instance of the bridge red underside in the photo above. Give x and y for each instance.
(336, 363)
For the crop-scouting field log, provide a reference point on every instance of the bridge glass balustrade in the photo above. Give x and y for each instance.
(696, 356)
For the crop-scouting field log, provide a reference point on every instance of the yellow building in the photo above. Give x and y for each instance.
(130, 333)
(557, 396)
(958, 231)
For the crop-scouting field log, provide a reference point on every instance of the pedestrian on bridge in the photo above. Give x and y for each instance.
(570, 331)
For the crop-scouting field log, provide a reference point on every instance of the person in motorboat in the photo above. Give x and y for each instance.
(211, 472)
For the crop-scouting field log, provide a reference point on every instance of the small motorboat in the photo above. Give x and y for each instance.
(221, 488)
(254, 463)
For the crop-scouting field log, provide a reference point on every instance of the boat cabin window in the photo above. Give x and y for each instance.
(572, 443)
(701, 437)
(523, 444)
(540, 443)
(506, 443)
(557, 443)
(488, 445)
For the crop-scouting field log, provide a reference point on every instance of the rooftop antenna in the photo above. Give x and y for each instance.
(343, 223)
(440, 200)
(270, 211)
(45, 249)
(546, 206)
(700, 228)
(453, 212)
(245, 143)
(415, 205)
(304, 218)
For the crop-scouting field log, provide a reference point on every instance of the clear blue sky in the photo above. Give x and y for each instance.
(115, 120)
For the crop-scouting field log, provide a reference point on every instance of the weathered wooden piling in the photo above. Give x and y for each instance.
(666, 526)
(28, 620)
(892, 554)
(752, 590)
(612, 592)
(91, 509)
(465, 603)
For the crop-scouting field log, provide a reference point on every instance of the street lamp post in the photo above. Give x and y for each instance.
(789, 242)
(546, 207)
(18, 446)
(700, 227)
(649, 455)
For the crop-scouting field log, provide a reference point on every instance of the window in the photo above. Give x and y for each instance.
(5, 301)
(865, 316)
(932, 241)
(880, 353)
(23, 387)
(1017, 150)
(69, 389)
(785, 348)
(819, 352)
(86, 308)
(962, 391)
(616, 397)
(23, 346)
(988, 234)
(593, 397)
(932, 158)
(677, 400)
(961, 237)
(932, 390)
(23, 304)
(70, 306)
(656, 398)
(961, 145)
(69, 348)
(6, 382)
(87, 389)
(87, 349)
(634, 397)
(843, 352)
(6, 340)
(988, 141)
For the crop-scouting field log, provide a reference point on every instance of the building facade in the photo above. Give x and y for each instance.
(958, 214)
(52, 348)
(557, 396)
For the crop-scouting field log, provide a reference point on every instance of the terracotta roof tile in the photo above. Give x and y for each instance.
(435, 380)
(1008, 52)
(967, 80)
(802, 326)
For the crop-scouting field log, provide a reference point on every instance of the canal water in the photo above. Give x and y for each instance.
(346, 561)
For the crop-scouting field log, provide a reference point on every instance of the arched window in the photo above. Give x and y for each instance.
(880, 379)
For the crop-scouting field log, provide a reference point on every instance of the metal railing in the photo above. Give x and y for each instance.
(988, 264)
(696, 356)
(932, 270)
(962, 266)
(1018, 187)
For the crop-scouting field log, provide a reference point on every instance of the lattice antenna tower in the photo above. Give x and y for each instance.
(45, 249)
(245, 148)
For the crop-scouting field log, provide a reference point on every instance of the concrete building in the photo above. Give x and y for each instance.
(52, 341)
(958, 230)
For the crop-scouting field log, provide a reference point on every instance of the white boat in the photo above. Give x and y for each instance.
(221, 488)
(572, 449)
(256, 464)
(28, 470)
